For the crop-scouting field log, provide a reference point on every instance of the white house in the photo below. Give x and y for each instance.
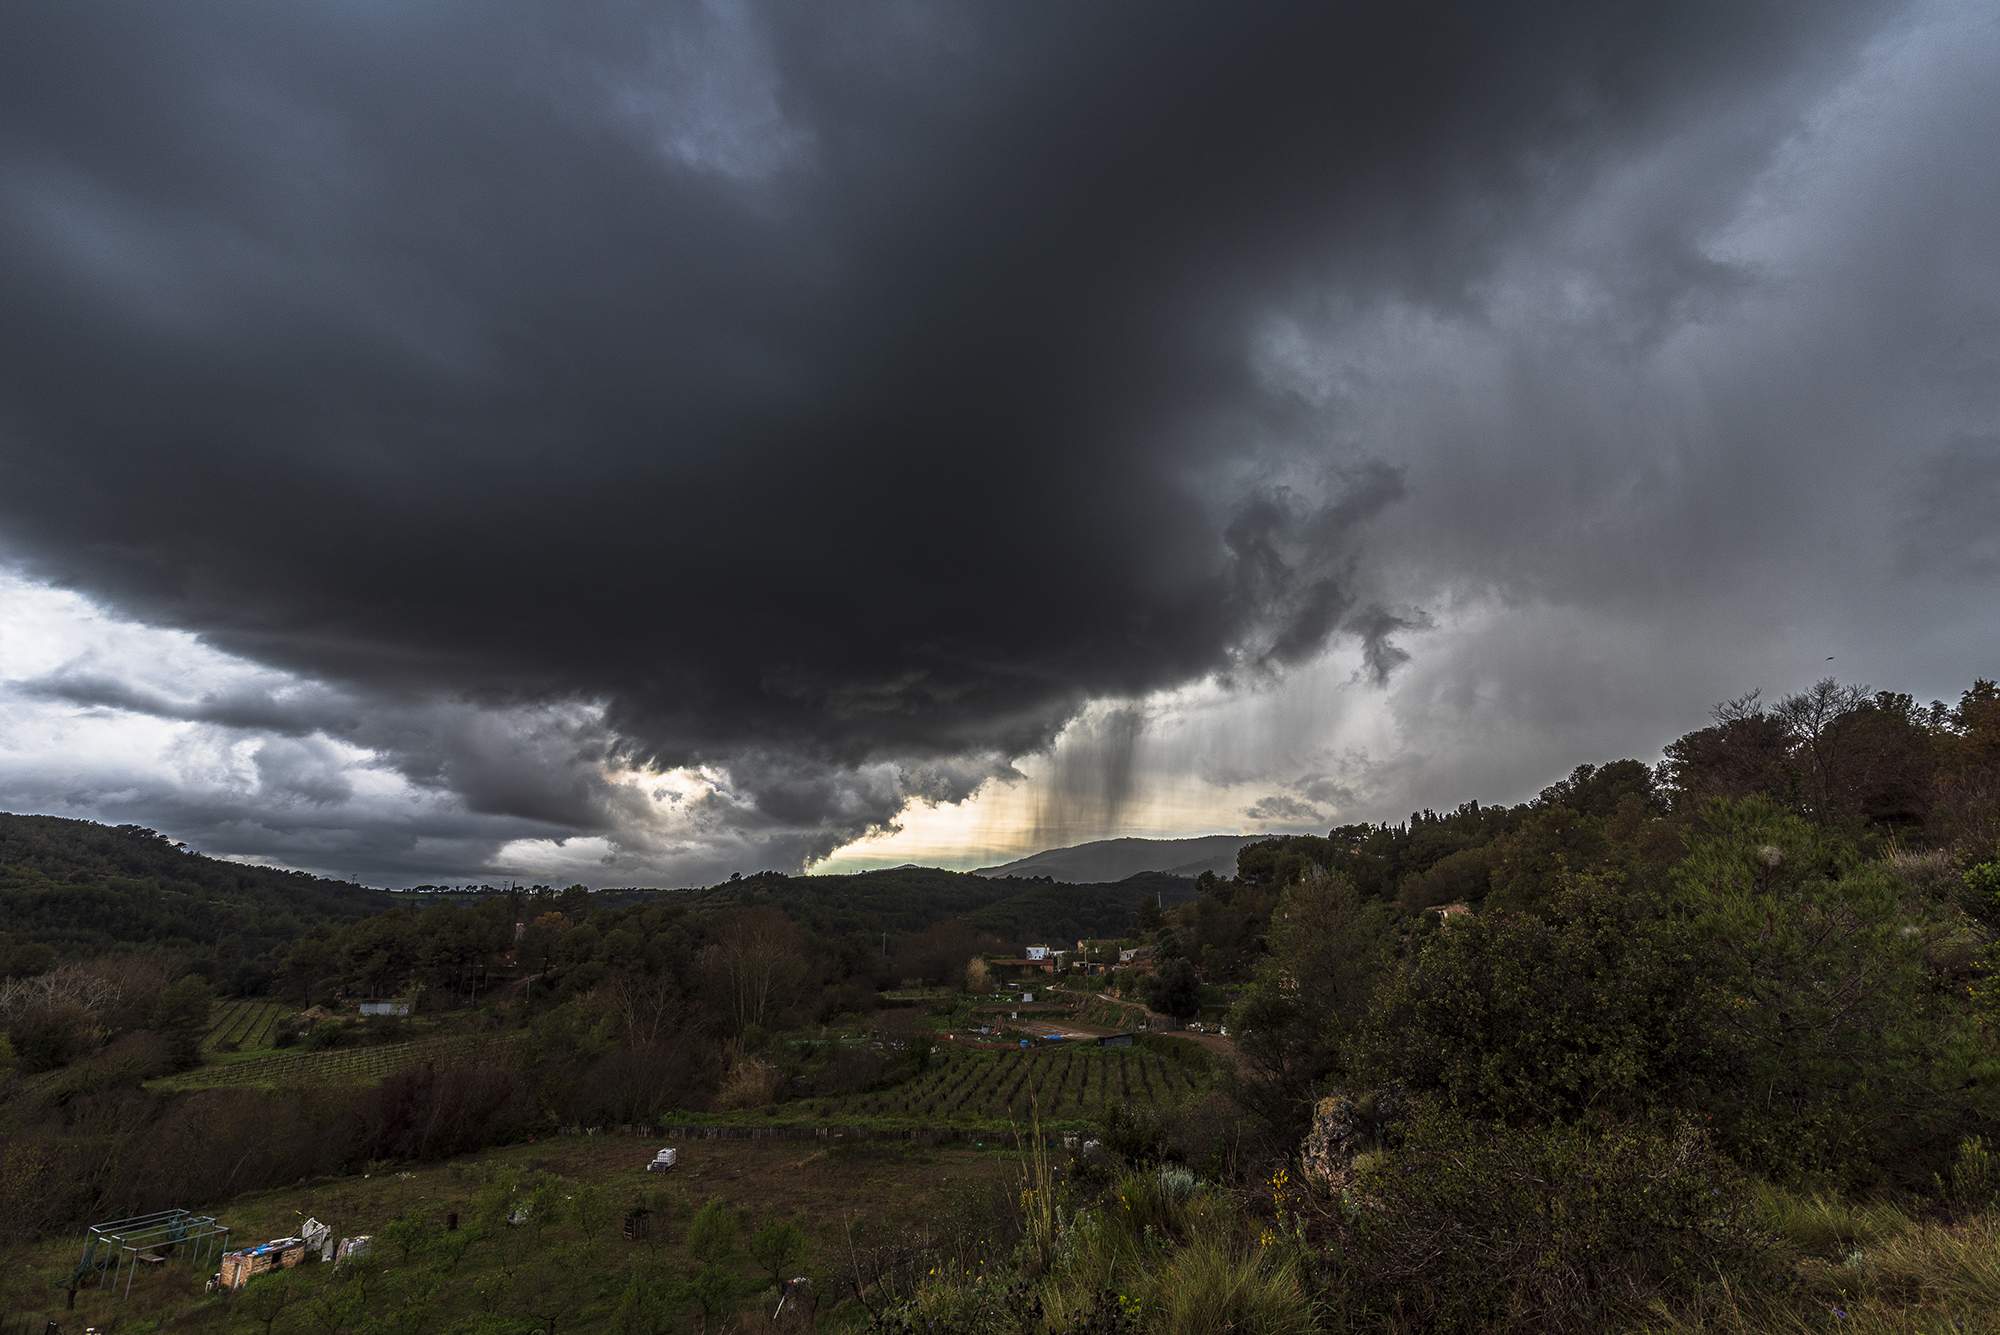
(389, 1006)
(1038, 952)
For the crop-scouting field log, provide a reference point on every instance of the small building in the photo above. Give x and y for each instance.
(386, 1006)
(1038, 953)
(1115, 1041)
(1446, 912)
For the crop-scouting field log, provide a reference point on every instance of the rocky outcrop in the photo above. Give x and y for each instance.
(1344, 1128)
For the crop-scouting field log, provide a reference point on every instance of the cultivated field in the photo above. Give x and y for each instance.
(333, 1066)
(1060, 1081)
(241, 1025)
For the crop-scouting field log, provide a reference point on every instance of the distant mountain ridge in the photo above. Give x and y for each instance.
(1115, 859)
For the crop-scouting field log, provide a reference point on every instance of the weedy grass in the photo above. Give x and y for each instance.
(1926, 1277)
(1818, 1224)
(1216, 1283)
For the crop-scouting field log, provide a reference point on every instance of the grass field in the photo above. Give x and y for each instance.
(242, 1025)
(1064, 1082)
(294, 1068)
(880, 1192)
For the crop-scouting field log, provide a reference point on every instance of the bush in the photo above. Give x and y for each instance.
(330, 1034)
(1135, 1133)
(1156, 1203)
(53, 1034)
(752, 1082)
(1470, 1226)
(1974, 1180)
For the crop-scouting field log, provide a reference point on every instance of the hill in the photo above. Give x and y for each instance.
(79, 887)
(910, 899)
(1115, 859)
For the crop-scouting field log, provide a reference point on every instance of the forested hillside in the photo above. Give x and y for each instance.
(71, 887)
(911, 899)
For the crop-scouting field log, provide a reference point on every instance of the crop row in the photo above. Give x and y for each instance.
(1056, 1081)
(242, 1025)
(337, 1066)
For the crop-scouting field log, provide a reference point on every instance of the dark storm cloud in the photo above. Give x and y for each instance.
(1282, 809)
(1373, 626)
(541, 771)
(1953, 520)
(538, 764)
(296, 713)
(815, 388)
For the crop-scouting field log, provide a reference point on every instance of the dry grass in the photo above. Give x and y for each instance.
(1925, 1278)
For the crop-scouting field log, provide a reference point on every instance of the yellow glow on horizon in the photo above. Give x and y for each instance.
(1004, 821)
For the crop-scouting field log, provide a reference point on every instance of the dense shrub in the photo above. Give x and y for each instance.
(1471, 1225)
(1519, 1016)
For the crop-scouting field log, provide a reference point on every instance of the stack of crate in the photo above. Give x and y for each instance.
(277, 1254)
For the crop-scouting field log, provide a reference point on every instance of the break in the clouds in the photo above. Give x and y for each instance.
(640, 444)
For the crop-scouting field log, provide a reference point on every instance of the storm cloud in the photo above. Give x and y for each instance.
(845, 403)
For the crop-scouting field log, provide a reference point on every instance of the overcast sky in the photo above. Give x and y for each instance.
(638, 443)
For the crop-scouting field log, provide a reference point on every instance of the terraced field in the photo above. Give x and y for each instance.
(1060, 1081)
(242, 1025)
(334, 1066)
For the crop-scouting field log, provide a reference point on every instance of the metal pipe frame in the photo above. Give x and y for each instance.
(125, 1239)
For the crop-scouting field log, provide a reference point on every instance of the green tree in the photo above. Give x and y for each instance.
(652, 1304)
(268, 1297)
(1832, 1047)
(1175, 988)
(1547, 1016)
(712, 1239)
(181, 1014)
(1296, 1020)
(778, 1247)
(712, 1233)
(406, 1235)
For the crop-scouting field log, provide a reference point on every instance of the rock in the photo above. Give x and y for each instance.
(1346, 1127)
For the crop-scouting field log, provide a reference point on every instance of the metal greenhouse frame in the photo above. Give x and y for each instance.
(147, 1238)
